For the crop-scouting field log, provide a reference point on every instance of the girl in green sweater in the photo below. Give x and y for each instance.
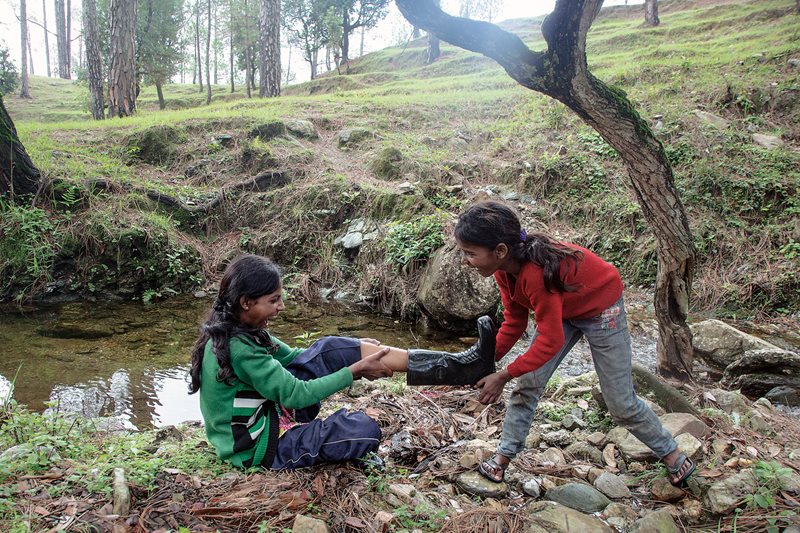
(260, 398)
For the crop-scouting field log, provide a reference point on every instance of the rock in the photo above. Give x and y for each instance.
(468, 460)
(533, 488)
(353, 136)
(729, 401)
(572, 423)
(794, 62)
(268, 130)
(307, 524)
(784, 395)
(405, 188)
(388, 164)
(596, 439)
(719, 344)
(122, 494)
(619, 515)
(452, 294)
(475, 484)
(533, 439)
(224, 139)
(631, 448)
(581, 471)
(358, 231)
(612, 486)
(167, 433)
(688, 444)
(660, 521)
(768, 141)
(664, 491)
(758, 423)
(552, 456)
(560, 437)
(409, 495)
(759, 371)
(200, 294)
(552, 517)
(649, 385)
(724, 495)
(678, 423)
(383, 519)
(595, 473)
(454, 189)
(711, 119)
(584, 451)
(301, 128)
(578, 496)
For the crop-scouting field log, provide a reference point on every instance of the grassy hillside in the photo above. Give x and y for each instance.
(459, 122)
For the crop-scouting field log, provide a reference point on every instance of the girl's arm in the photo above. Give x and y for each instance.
(285, 353)
(515, 320)
(547, 311)
(255, 366)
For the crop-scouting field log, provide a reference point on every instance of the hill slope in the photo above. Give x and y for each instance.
(137, 211)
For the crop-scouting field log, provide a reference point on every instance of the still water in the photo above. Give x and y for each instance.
(130, 361)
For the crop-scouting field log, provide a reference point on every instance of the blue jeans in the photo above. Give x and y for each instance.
(610, 344)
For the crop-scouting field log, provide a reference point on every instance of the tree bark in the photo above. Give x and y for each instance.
(345, 52)
(61, 40)
(47, 38)
(24, 90)
(233, 70)
(561, 72)
(160, 92)
(18, 175)
(198, 54)
(122, 76)
(30, 52)
(651, 13)
(269, 49)
(68, 36)
(208, 54)
(94, 62)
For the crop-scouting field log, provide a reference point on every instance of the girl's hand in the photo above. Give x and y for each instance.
(371, 367)
(492, 386)
(371, 341)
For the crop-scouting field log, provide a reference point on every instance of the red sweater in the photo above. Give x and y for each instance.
(598, 286)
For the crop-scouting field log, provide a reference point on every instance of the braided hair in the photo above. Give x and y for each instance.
(490, 223)
(248, 276)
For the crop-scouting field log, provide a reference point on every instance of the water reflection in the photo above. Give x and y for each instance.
(129, 361)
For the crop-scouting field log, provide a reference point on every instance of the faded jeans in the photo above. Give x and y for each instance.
(610, 344)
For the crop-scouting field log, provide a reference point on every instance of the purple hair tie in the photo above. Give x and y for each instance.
(523, 235)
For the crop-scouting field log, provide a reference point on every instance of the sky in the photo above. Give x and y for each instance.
(387, 33)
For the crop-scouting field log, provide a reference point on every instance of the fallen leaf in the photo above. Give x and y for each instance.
(583, 404)
(354, 521)
(374, 413)
(41, 510)
(609, 455)
(752, 451)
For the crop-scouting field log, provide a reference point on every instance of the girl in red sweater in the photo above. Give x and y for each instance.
(573, 294)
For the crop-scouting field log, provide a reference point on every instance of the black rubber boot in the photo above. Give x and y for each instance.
(428, 367)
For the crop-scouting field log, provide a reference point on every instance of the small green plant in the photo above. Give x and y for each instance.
(305, 339)
(769, 474)
(420, 517)
(415, 240)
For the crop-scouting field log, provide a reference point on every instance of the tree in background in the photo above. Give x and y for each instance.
(94, 62)
(122, 76)
(209, 12)
(245, 17)
(480, 9)
(9, 78)
(269, 49)
(62, 41)
(307, 28)
(24, 90)
(158, 45)
(354, 14)
(46, 37)
(434, 50)
(18, 175)
(561, 72)
(651, 13)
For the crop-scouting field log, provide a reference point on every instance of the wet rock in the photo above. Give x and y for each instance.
(552, 456)
(664, 491)
(74, 331)
(307, 524)
(724, 495)
(660, 521)
(353, 136)
(268, 130)
(301, 128)
(559, 437)
(584, 451)
(719, 344)
(454, 295)
(475, 484)
(552, 517)
(533, 488)
(578, 496)
(612, 486)
(769, 142)
(711, 119)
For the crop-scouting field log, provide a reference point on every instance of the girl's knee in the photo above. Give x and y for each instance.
(367, 426)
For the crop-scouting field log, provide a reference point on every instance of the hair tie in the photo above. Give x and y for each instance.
(523, 235)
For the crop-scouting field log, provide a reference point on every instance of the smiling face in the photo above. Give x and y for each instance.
(485, 260)
(256, 313)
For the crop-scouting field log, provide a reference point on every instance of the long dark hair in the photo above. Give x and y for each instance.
(490, 223)
(248, 275)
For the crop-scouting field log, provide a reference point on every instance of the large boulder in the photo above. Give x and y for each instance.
(719, 344)
(454, 295)
(758, 371)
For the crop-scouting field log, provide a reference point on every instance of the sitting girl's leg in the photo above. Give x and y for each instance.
(340, 437)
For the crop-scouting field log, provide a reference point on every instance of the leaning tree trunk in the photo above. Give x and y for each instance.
(269, 49)
(651, 13)
(94, 62)
(122, 76)
(562, 73)
(24, 91)
(18, 175)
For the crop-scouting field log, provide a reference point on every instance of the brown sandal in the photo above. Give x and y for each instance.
(493, 470)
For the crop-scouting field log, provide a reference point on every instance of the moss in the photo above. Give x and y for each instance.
(268, 130)
(388, 164)
(156, 145)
